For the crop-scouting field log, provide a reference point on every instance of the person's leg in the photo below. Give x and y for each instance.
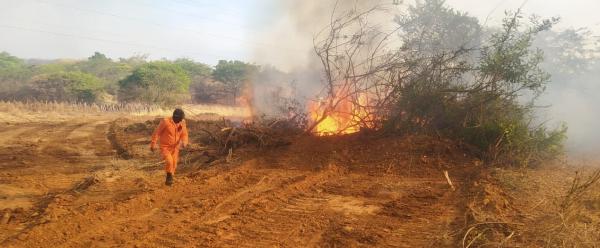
(169, 168)
(175, 156)
(166, 154)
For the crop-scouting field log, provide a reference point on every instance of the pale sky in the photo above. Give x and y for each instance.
(199, 29)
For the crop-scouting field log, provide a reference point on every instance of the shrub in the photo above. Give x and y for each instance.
(64, 87)
(158, 82)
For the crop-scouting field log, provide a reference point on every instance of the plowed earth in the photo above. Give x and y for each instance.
(64, 184)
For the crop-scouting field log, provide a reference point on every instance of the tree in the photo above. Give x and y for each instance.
(430, 27)
(234, 74)
(574, 63)
(437, 80)
(12, 68)
(65, 87)
(8, 61)
(106, 69)
(571, 53)
(13, 72)
(194, 69)
(199, 74)
(98, 57)
(159, 82)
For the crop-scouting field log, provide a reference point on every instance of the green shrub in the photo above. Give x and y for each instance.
(160, 82)
(64, 87)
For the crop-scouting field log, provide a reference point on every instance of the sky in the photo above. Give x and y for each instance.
(202, 30)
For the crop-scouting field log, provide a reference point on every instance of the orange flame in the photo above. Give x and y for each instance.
(339, 116)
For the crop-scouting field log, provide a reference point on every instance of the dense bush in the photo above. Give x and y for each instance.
(445, 75)
(480, 101)
(64, 87)
(159, 82)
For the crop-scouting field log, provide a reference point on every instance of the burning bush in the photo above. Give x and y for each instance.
(436, 72)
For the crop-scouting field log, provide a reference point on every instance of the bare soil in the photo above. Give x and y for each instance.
(67, 184)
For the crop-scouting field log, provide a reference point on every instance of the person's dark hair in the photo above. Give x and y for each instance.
(178, 115)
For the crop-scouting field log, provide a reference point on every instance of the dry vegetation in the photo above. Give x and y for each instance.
(17, 111)
(440, 150)
(552, 206)
(233, 189)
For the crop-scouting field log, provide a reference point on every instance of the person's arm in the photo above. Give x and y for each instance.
(157, 133)
(184, 135)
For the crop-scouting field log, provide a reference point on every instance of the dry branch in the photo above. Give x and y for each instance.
(449, 181)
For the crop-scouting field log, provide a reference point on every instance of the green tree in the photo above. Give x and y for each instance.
(476, 95)
(159, 82)
(104, 68)
(65, 86)
(200, 75)
(234, 74)
(98, 57)
(446, 78)
(8, 61)
(430, 27)
(194, 69)
(13, 72)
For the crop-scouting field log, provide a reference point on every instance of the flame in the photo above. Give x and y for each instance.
(344, 115)
(245, 101)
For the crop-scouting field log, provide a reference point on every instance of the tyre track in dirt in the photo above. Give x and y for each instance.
(10, 133)
(276, 199)
(48, 159)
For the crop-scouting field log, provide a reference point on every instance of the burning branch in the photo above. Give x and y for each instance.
(352, 53)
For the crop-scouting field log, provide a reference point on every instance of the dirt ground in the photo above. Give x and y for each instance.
(64, 184)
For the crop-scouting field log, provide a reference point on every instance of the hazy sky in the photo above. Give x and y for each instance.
(199, 29)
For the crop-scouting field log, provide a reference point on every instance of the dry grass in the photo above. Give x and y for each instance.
(575, 221)
(19, 112)
(547, 207)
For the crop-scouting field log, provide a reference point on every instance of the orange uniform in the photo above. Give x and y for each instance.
(171, 135)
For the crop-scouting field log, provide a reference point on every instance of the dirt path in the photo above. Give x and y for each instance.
(78, 194)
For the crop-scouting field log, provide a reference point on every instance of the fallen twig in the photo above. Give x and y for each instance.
(449, 181)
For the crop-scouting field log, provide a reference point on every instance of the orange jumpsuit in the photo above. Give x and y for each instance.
(172, 135)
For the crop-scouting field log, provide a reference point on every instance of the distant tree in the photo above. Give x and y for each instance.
(13, 72)
(194, 69)
(10, 67)
(55, 66)
(431, 26)
(160, 82)
(65, 86)
(106, 69)
(135, 61)
(233, 74)
(98, 57)
(8, 61)
(569, 53)
(200, 74)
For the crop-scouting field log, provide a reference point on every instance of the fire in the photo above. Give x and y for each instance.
(344, 115)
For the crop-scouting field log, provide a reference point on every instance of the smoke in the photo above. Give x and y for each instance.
(574, 100)
(572, 58)
(295, 29)
(297, 72)
(572, 97)
(295, 25)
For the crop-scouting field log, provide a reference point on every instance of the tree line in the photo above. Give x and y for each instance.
(99, 79)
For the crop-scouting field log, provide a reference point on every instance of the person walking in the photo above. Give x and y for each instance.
(172, 135)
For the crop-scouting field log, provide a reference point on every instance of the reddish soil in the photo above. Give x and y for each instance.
(65, 185)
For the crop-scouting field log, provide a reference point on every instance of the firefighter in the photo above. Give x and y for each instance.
(173, 135)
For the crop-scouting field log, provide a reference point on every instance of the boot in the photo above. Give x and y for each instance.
(169, 180)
